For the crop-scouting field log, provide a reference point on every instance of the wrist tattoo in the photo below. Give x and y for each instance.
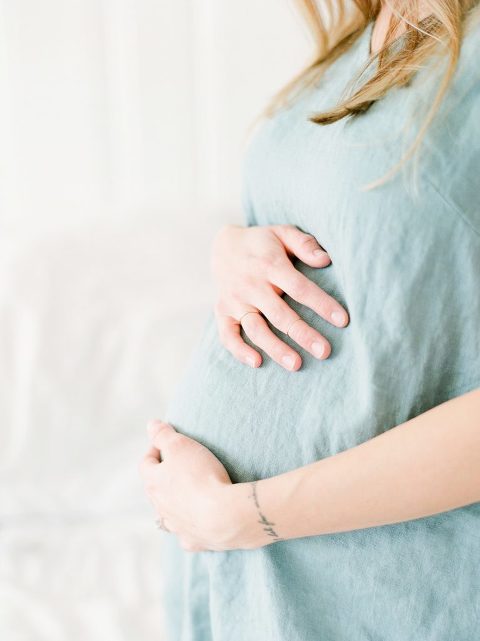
(268, 525)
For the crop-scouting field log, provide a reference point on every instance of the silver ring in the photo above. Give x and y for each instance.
(291, 325)
(250, 312)
(161, 525)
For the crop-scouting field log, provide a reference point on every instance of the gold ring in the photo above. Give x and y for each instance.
(250, 312)
(161, 525)
(291, 324)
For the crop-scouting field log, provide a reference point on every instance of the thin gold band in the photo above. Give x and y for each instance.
(291, 325)
(161, 525)
(250, 312)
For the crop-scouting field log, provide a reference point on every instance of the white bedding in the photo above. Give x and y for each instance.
(96, 323)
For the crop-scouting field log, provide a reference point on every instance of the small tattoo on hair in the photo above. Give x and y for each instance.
(268, 525)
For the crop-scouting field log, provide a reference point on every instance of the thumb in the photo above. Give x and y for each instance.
(304, 246)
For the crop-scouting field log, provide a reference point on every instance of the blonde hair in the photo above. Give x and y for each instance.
(335, 26)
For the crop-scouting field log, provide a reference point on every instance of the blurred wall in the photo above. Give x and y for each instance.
(122, 130)
(114, 104)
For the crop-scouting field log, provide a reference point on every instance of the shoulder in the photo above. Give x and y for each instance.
(470, 48)
(466, 76)
(465, 83)
(452, 140)
(451, 147)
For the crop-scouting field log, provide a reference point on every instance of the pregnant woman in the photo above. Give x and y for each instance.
(317, 475)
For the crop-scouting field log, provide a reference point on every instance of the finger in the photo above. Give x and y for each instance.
(284, 318)
(162, 435)
(258, 331)
(231, 339)
(304, 246)
(302, 289)
(168, 441)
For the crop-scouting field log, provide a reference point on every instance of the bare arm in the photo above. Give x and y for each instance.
(427, 465)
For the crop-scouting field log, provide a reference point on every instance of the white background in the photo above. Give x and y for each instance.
(122, 130)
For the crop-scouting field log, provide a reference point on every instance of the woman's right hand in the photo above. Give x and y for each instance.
(252, 269)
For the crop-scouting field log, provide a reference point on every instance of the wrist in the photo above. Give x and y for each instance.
(258, 513)
(237, 517)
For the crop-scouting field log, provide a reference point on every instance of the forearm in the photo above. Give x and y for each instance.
(427, 465)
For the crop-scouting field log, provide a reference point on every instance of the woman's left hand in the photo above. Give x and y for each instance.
(188, 487)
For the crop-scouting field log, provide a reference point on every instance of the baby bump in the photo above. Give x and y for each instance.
(264, 421)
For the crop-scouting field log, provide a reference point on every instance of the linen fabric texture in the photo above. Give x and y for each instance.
(406, 265)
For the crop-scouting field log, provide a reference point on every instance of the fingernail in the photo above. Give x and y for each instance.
(288, 361)
(318, 349)
(339, 318)
(318, 252)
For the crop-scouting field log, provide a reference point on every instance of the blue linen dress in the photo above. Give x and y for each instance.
(406, 265)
